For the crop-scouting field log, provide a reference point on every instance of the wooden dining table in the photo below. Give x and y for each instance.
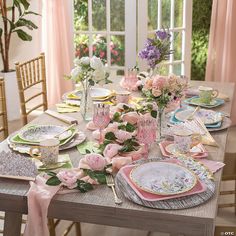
(98, 206)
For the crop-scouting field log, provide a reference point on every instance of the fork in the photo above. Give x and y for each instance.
(111, 184)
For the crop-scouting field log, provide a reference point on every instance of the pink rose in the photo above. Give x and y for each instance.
(68, 178)
(122, 135)
(88, 179)
(136, 155)
(91, 126)
(156, 92)
(96, 134)
(159, 82)
(112, 127)
(120, 161)
(148, 83)
(111, 150)
(95, 161)
(131, 117)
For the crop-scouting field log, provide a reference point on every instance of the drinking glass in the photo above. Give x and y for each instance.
(147, 129)
(101, 117)
(130, 79)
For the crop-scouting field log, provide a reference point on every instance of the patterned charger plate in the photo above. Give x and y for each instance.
(163, 178)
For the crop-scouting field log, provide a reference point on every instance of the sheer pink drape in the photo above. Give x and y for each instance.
(222, 45)
(57, 42)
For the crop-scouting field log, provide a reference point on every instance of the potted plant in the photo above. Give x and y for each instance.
(14, 21)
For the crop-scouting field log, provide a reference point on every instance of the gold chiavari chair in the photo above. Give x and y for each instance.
(3, 110)
(229, 174)
(29, 74)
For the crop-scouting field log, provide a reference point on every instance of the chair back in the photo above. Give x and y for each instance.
(3, 110)
(29, 74)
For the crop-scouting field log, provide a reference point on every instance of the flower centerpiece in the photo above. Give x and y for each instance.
(88, 72)
(157, 49)
(163, 90)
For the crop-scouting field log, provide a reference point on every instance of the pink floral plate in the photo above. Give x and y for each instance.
(167, 150)
(125, 172)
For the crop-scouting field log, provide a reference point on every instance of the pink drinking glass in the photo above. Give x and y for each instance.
(131, 79)
(147, 130)
(101, 117)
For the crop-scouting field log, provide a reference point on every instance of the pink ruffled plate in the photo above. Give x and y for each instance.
(125, 171)
(196, 155)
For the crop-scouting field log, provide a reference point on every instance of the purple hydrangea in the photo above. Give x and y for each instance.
(157, 49)
(162, 35)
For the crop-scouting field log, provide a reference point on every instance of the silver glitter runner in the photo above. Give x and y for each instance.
(177, 203)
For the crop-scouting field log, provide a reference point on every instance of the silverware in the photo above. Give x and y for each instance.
(69, 127)
(111, 184)
(190, 117)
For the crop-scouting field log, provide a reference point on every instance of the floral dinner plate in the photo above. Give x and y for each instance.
(163, 178)
(207, 116)
(39, 133)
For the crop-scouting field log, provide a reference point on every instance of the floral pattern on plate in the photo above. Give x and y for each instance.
(163, 178)
(207, 116)
(41, 132)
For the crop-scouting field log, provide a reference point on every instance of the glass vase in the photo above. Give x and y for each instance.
(86, 103)
(161, 124)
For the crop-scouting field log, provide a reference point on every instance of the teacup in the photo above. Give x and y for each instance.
(47, 151)
(184, 140)
(122, 97)
(206, 94)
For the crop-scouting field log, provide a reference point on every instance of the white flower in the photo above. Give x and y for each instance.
(99, 74)
(75, 72)
(85, 60)
(96, 63)
(76, 61)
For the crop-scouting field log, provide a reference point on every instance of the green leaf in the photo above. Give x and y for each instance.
(31, 13)
(23, 35)
(130, 127)
(99, 176)
(53, 181)
(122, 127)
(104, 144)
(125, 107)
(51, 173)
(116, 117)
(27, 23)
(83, 186)
(154, 114)
(25, 3)
(110, 136)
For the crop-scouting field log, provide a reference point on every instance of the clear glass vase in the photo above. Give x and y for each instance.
(161, 124)
(86, 103)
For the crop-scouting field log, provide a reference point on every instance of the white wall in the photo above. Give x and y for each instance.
(23, 50)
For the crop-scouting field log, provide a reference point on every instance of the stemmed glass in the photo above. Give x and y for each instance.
(147, 130)
(185, 80)
(101, 117)
(130, 79)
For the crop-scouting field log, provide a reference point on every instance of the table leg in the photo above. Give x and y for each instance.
(12, 224)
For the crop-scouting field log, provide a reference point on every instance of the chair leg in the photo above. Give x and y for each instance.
(78, 229)
(235, 199)
(51, 227)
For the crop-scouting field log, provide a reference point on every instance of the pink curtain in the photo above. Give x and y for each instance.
(57, 43)
(222, 45)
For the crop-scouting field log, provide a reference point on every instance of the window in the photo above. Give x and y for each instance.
(116, 30)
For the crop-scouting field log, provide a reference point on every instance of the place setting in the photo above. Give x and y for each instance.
(207, 97)
(213, 120)
(23, 140)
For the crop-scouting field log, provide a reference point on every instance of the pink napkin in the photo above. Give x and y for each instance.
(213, 166)
(39, 197)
